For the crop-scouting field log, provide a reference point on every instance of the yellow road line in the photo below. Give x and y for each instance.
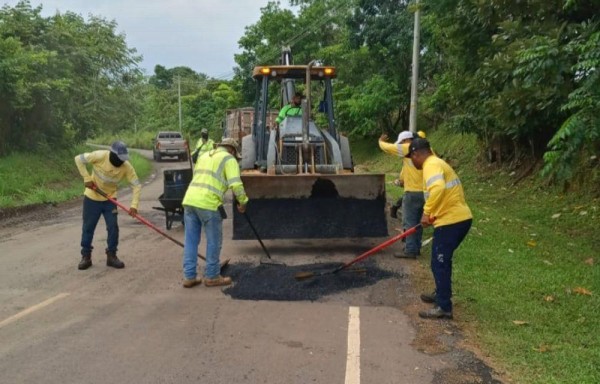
(32, 309)
(353, 358)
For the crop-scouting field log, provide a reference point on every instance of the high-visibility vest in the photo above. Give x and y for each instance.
(202, 147)
(444, 195)
(106, 176)
(215, 172)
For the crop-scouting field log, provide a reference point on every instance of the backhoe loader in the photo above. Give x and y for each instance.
(300, 179)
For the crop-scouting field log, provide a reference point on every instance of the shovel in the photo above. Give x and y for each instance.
(307, 275)
(268, 260)
(149, 224)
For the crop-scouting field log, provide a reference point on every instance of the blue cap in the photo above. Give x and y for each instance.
(120, 149)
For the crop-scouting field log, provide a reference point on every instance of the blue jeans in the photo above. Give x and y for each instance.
(92, 210)
(445, 241)
(412, 210)
(194, 219)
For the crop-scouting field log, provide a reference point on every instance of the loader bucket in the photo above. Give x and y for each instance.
(313, 207)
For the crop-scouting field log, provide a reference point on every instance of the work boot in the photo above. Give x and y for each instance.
(189, 283)
(85, 263)
(217, 281)
(428, 297)
(113, 261)
(435, 313)
(406, 255)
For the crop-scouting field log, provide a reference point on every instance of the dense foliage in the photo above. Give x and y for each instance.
(61, 78)
(521, 75)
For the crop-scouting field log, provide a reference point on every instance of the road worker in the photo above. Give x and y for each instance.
(204, 145)
(108, 169)
(214, 173)
(292, 109)
(446, 209)
(411, 179)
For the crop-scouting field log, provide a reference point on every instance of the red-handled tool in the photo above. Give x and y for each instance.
(147, 223)
(408, 232)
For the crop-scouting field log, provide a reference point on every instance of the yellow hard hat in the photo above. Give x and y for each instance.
(422, 135)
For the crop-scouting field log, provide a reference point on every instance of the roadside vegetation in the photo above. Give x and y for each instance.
(526, 279)
(509, 93)
(48, 177)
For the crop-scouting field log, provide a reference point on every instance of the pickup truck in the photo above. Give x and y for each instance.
(169, 143)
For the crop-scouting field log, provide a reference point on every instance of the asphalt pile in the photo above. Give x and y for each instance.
(275, 282)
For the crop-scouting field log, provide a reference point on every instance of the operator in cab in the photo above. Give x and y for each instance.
(292, 109)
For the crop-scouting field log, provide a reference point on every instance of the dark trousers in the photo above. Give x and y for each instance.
(92, 210)
(446, 239)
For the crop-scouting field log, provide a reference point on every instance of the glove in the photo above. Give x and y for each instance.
(90, 184)
(133, 212)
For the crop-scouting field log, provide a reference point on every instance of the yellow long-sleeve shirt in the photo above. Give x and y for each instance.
(214, 173)
(444, 195)
(106, 176)
(412, 177)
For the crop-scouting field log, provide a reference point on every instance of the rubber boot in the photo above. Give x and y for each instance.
(86, 262)
(113, 261)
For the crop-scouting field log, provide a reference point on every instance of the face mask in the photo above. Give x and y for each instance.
(114, 160)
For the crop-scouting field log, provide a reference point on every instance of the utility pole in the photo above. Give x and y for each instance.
(412, 124)
(179, 100)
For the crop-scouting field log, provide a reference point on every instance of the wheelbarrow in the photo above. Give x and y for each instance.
(176, 182)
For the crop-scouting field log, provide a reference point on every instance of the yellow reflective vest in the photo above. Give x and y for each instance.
(214, 173)
(203, 147)
(444, 195)
(106, 176)
(413, 178)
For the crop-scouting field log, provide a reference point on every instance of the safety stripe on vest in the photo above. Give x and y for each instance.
(449, 185)
(105, 178)
(209, 187)
(433, 179)
(222, 165)
(211, 173)
(233, 180)
(452, 183)
(83, 159)
(135, 182)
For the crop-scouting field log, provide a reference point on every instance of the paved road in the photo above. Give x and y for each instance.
(138, 325)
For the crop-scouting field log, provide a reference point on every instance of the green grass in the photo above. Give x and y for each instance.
(33, 178)
(140, 139)
(519, 263)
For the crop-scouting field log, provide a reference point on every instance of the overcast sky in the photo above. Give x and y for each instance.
(200, 34)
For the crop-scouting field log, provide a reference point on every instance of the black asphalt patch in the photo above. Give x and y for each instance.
(271, 282)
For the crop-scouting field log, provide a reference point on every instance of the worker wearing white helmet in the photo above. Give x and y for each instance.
(411, 179)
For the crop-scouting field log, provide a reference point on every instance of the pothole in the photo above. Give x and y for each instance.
(273, 282)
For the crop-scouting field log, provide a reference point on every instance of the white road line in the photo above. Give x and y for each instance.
(353, 358)
(29, 310)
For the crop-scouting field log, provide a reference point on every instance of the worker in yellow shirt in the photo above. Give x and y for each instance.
(446, 209)
(204, 145)
(215, 172)
(108, 169)
(411, 179)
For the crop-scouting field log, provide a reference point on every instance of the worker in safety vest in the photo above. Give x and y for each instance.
(204, 145)
(292, 109)
(445, 208)
(411, 179)
(108, 169)
(215, 172)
